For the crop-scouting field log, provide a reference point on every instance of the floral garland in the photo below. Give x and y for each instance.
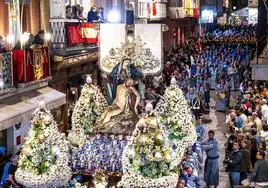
(86, 112)
(147, 157)
(45, 154)
(177, 119)
(176, 126)
(175, 114)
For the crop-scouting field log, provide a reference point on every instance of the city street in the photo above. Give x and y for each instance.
(218, 125)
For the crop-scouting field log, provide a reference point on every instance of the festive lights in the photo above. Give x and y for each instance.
(47, 36)
(24, 37)
(10, 39)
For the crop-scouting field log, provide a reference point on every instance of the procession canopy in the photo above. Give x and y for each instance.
(143, 49)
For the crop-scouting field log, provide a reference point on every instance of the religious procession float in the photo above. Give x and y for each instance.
(110, 136)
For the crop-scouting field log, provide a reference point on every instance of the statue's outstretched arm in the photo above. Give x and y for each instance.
(138, 97)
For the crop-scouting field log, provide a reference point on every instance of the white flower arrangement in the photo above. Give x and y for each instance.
(177, 118)
(86, 112)
(174, 116)
(147, 132)
(133, 180)
(43, 162)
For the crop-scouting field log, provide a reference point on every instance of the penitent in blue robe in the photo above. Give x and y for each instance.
(211, 176)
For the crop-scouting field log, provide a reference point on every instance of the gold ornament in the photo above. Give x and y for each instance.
(38, 61)
(139, 56)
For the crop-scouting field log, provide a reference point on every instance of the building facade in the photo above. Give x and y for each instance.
(25, 68)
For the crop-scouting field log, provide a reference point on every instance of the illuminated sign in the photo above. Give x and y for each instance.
(207, 16)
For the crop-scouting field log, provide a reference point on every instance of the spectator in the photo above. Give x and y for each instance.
(239, 122)
(92, 15)
(246, 166)
(234, 165)
(264, 136)
(181, 183)
(193, 181)
(232, 138)
(264, 108)
(10, 179)
(260, 171)
(254, 142)
(257, 121)
(4, 176)
(243, 117)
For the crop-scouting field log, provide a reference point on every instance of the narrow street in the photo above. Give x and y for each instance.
(218, 125)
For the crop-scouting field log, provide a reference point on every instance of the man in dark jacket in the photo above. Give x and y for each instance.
(233, 162)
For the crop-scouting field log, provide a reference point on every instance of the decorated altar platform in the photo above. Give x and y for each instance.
(108, 133)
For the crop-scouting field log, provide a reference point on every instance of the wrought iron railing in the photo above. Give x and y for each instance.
(58, 39)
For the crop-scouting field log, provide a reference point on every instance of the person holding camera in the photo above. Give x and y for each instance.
(233, 162)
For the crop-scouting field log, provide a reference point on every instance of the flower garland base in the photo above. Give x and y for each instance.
(132, 180)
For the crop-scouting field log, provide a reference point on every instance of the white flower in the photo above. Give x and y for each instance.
(158, 157)
(58, 172)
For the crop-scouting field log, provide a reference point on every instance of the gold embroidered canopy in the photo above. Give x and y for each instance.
(134, 50)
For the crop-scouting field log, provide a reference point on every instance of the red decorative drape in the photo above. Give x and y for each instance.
(18, 58)
(18, 65)
(73, 35)
(154, 8)
(196, 12)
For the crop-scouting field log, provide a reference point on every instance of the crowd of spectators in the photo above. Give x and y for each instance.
(248, 134)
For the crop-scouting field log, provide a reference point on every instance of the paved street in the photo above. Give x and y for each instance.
(218, 125)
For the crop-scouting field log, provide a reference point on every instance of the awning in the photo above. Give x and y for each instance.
(20, 107)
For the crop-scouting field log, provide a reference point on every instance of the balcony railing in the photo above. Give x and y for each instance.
(70, 33)
(152, 11)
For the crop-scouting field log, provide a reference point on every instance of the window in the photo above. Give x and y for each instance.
(175, 3)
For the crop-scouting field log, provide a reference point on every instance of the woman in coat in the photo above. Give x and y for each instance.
(246, 166)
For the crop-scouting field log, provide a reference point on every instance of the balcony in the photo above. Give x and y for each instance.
(63, 29)
(180, 12)
(152, 10)
(24, 70)
(175, 12)
(260, 65)
(73, 43)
